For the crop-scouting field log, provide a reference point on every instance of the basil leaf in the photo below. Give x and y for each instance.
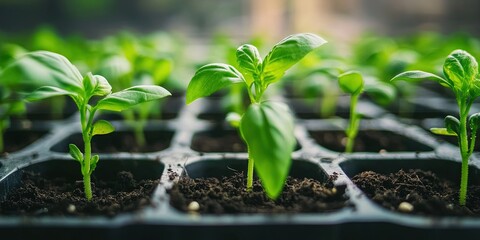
(474, 122)
(288, 52)
(96, 85)
(46, 92)
(102, 127)
(42, 68)
(249, 60)
(75, 152)
(421, 75)
(130, 97)
(351, 82)
(461, 68)
(381, 92)
(267, 128)
(211, 78)
(442, 131)
(452, 124)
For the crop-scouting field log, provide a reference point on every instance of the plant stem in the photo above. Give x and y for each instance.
(86, 129)
(250, 174)
(463, 142)
(328, 104)
(352, 129)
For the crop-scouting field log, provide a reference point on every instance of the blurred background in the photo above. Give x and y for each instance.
(342, 19)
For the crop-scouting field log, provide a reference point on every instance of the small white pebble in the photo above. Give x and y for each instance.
(382, 151)
(71, 208)
(405, 207)
(334, 190)
(193, 206)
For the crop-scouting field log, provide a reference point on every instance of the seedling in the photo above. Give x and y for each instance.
(353, 83)
(462, 77)
(63, 78)
(266, 126)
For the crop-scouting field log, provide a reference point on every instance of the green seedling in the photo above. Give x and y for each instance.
(63, 78)
(353, 83)
(266, 126)
(141, 69)
(462, 77)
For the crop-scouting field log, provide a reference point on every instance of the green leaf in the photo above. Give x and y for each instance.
(421, 75)
(96, 85)
(288, 52)
(452, 124)
(42, 68)
(132, 96)
(233, 119)
(381, 92)
(442, 131)
(114, 67)
(211, 78)
(461, 68)
(93, 163)
(351, 82)
(102, 127)
(75, 152)
(46, 92)
(474, 121)
(267, 128)
(249, 60)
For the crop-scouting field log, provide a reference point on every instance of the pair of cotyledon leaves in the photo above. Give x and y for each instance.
(267, 127)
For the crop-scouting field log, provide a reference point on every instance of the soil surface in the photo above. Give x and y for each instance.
(123, 142)
(39, 196)
(228, 196)
(426, 192)
(368, 141)
(17, 140)
(218, 141)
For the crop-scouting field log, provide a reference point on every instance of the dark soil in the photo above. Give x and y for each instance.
(121, 142)
(368, 141)
(39, 196)
(16, 140)
(218, 141)
(228, 195)
(429, 194)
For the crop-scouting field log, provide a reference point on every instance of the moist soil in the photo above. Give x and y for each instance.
(17, 140)
(40, 196)
(218, 141)
(429, 194)
(228, 196)
(368, 141)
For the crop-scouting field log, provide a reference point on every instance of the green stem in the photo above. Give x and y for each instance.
(328, 104)
(352, 129)
(463, 142)
(139, 134)
(86, 131)
(250, 174)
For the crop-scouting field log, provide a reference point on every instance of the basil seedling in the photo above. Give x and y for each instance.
(461, 75)
(63, 78)
(352, 83)
(266, 126)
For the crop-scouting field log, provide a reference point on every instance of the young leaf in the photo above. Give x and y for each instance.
(288, 52)
(351, 82)
(96, 85)
(75, 152)
(42, 68)
(130, 97)
(102, 127)
(381, 92)
(267, 128)
(421, 75)
(474, 121)
(46, 92)
(93, 163)
(233, 119)
(452, 124)
(211, 78)
(461, 68)
(442, 131)
(249, 59)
